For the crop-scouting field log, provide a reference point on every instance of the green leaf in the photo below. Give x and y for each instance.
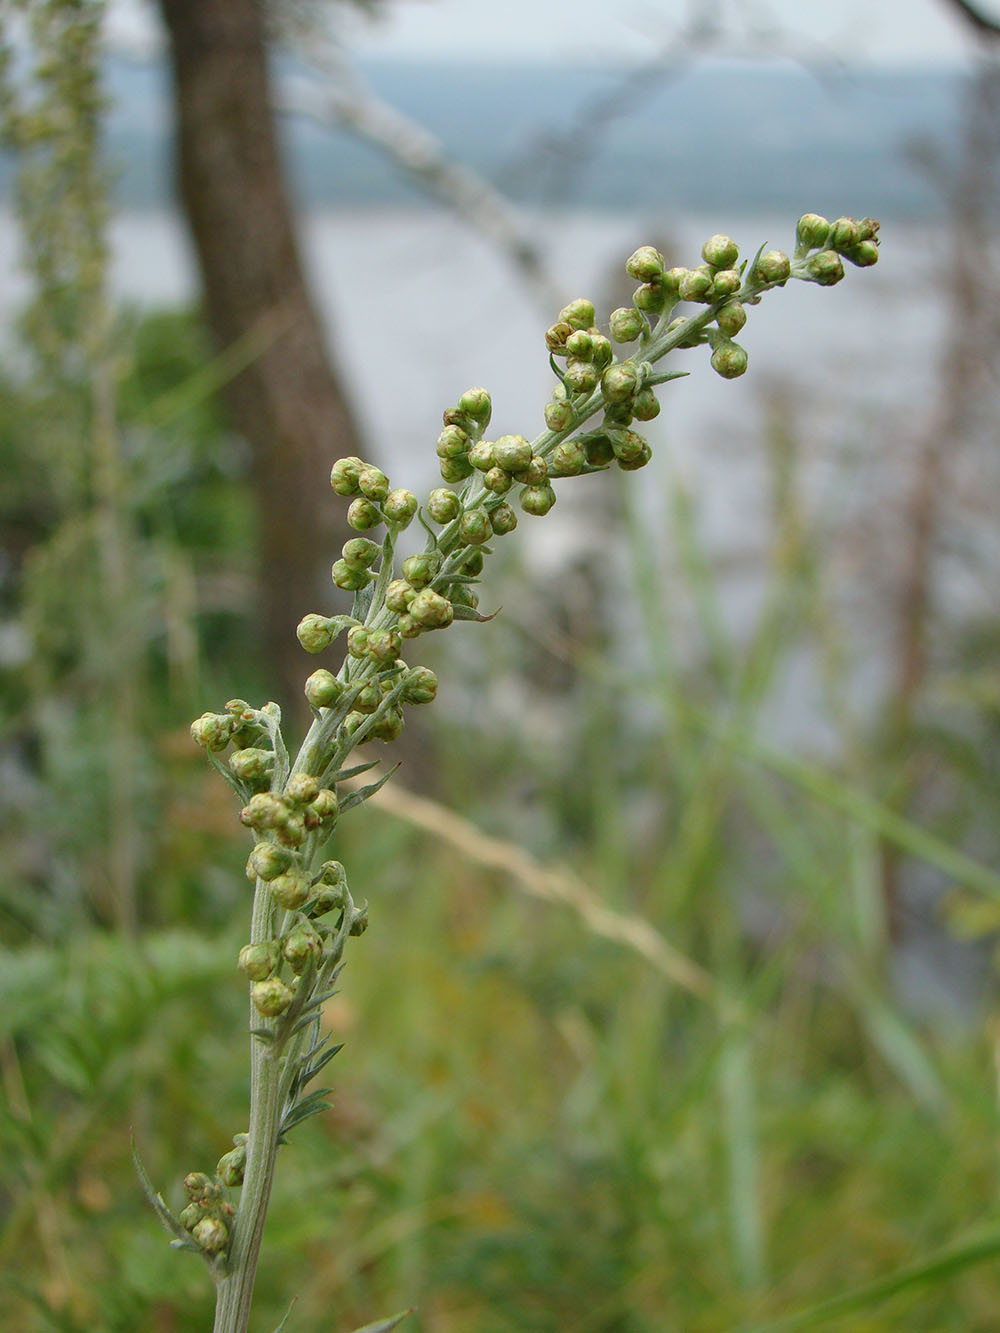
(384, 1325)
(363, 793)
(158, 1203)
(287, 1313)
(343, 774)
(322, 1062)
(470, 613)
(314, 1104)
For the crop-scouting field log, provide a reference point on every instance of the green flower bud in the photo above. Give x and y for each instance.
(267, 861)
(579, 314)
(537, 500)
(726, 283)
(567, 459)
(373, 484)
(864, 254)
(315, 633)
(645, 264)
(472, 562)
(407, 626)
(359, 923)
(421, 569)
(474, 529)
(503, 520)
(389, 726)
(270, 997)
(651, 298)
(258, 960)
(420, 685)
(301, 946)
(512, 453)
(460, 594)
(481, 455)
(292, 833)
(618, 383)
(535, 473)
(344, 475)
(844, 234)
(354, 720)
(454, 416)
(367, 698)
(453, 442)
(231, 1166)
(323, 689)
(720, 251)
(454, 470)
(384, 645)
(671, 280)
(349, 577)
(559, 415)
(211, 1233)
(812, 231)
(827, 267)
(599, 451)
(357, 641)
(627, 444)
(291, 890)
(603, 351)
(640, 460)
(430, 610)
(627, 325)
(201, 1188)
(581, 377)
(696, 285)
(212, 731)
(360, 553)
(476, 402)
(555, 338)
(400, 506)
(579, 346)
(645, 405)
(362, 515)
(498, 481)
(323, 811)
(399, 594)
(731, 318)
(191, 1215)
(252, 765)
(774, 266)
(264, 811)
(301, 788)
(729, 359)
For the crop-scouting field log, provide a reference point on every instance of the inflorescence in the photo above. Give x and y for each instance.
(304, 913)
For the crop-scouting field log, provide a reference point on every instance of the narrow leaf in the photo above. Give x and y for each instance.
(470, 613)
(322, 1062)
(287, 1313)
(302, 1112)
(227, 774)
(385, 1325)
(343, 774)
(156, 1200)
(363, 793)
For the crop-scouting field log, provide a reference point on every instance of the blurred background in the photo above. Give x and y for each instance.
(678, 1007)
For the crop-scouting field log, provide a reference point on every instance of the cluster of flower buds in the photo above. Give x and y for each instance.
(854, 239)
(231, 1165)
(304, 807)
(208, 1216)
(240, 723)
(409, 685)
(463, 427)
(373, 502)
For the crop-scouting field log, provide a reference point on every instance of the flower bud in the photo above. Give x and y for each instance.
(618, 383)
(367, 698)
(384, 645)
(323, 689)
(512, 453)
(270, 997)
(430, 610)
(843, 235)
(291, 890)
(559, 415)
(190, 1216)
(315, 633)
(362, 515)
(627, 444)
(476, 402)
(231, 1166)
(645, 264)
(344, 475)
(537, 500)
(579, 345)
(301, 788)
(481, 455)
(300, 946)
(460, 594)
(599, 451)
(453, 442)
(472, 562)
(258, 960)
(292, 833)
(567, 459)
(354, 719)
(454, 470)
(267, 861)
(373, 483)
(474, 529)
(211, 1233)
(389, 725)
(864, 254)
(421, 569)
(696, 285)
(581, 377)
(726, 283)
(264, 811)
(579, 314)
(503, 520)
(357, 641)
(349, 577)
(399, 506)
(627, 324)
(252, 765)
(602, 352)
(827, 267)
(867, 229)
(729, 359)
(650, 298)
(407, 626)
(360, 553)
(359, 922)
(645, 405)
(640, 460)
(773, 266)
(454, 416)
(498, 481)
(720, 251)
(420, 685)
(812, 231)
(535, 473)
(212, 731)
(324, 810)
(201, 1188)
(555, 338)
(731, 318)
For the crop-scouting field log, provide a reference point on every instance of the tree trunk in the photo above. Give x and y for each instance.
(287, 403)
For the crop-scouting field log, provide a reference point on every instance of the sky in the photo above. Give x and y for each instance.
(881, 31)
